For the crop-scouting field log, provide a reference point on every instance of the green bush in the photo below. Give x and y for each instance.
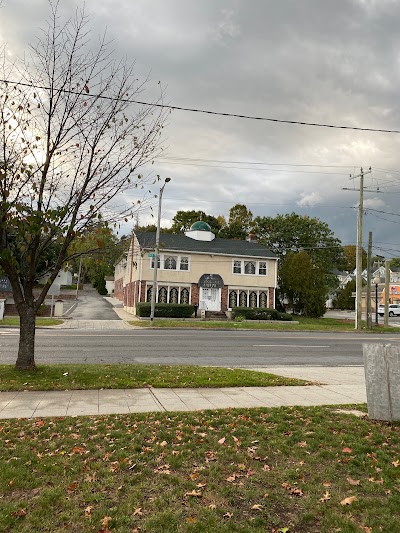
(101, 286)
(165, 310)
(260, 313)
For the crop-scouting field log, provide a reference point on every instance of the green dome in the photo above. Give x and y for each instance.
(200, 225)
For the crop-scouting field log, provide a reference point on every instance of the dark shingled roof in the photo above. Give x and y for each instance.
(181, 243)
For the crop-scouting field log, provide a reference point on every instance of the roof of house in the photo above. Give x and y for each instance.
(181, 243)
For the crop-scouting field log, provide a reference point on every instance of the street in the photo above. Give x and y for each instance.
(201, 347)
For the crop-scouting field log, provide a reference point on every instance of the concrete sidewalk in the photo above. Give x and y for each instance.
(96, 402)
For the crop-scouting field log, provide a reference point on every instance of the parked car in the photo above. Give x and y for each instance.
(394, 310)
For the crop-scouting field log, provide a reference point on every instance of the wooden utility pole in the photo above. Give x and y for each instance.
(359, 248)
(387, 281)
(369, 258)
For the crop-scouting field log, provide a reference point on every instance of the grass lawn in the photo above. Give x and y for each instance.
(40, 321)
(281, 470)
(62, 377)
(304, 324)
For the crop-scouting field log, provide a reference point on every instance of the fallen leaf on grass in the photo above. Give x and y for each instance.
(19, 514)
(164, 443)
(349, 500)
(396, 463)
(326, 484)
(228, 515)
(354, 482)
(221, 441)
(195, 493)
(257, 507)
(212, 506)
(325, 497)
(88, 510)
(105, 521)
(373, 480)
(191, 520)
(347, 450)
(302, 444)
(72, 486)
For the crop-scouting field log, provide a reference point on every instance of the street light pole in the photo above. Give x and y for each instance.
(156, 254)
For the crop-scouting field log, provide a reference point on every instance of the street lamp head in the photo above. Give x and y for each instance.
(167, 180)
(377, 280)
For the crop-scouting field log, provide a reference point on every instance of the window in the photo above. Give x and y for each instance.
(237, 267)
(173, 296)
(243, 299)
(253, 299)
(158, 262)
(249, 268)
(170, 263)
(162, 295)
(184, 263)
(232, 299)
(148, 294)
(184, 296)
(263, 300)
(262, 268)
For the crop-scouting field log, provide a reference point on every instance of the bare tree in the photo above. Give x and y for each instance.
(71, 140)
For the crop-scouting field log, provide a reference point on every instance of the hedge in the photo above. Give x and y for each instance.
(165, 310)
(260, 313)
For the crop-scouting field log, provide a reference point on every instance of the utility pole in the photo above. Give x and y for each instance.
(359, 247)
(369, 257)
(387, 281)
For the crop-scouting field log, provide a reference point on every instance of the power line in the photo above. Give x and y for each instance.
(176, 158)
(204, 111)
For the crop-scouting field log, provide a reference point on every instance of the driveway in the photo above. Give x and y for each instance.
(92, 306)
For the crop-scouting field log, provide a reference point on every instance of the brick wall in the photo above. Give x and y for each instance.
(224, 298)
(271, 297)
(195, 294)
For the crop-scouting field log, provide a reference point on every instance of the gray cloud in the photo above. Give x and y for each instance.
(315, 60)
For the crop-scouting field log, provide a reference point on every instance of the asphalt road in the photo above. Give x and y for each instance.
(92, 306)
(219, 348)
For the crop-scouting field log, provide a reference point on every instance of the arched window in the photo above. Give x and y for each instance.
(170, 263)
(162, 295)
(173, 296)
(253, 299)
(148, 295)
(184, 296)
(232, 299)
(263, 300)
(249, 268)
(243, 299)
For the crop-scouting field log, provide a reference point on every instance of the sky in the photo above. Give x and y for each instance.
(316, 61)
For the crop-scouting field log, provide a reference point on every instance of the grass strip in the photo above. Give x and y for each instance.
(304, 324)
(300, 470)
(40, 321)
(125, 376)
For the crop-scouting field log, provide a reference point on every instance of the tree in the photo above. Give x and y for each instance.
(239, 224)
(344, 297)
(70, 141)
(350, 257)
(303, 284)
(183, 220)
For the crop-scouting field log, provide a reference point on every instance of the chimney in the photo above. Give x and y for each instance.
(251, 238)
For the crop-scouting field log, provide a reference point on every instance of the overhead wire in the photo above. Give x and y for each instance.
(204, 111)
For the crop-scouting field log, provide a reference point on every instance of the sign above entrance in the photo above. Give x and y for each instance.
(211, 281)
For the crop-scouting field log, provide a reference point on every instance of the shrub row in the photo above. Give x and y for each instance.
(260, 313)
(165, 310)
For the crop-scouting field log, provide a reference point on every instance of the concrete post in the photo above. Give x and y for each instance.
(382, 380)
(59, 308)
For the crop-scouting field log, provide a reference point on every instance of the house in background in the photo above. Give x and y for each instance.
(197, 268)
(64, 277)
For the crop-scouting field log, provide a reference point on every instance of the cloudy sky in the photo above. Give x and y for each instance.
(320, 61)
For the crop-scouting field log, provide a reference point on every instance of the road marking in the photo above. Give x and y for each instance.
(287, 346)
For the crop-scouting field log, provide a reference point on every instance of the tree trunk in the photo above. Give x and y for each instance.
(26, 349)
